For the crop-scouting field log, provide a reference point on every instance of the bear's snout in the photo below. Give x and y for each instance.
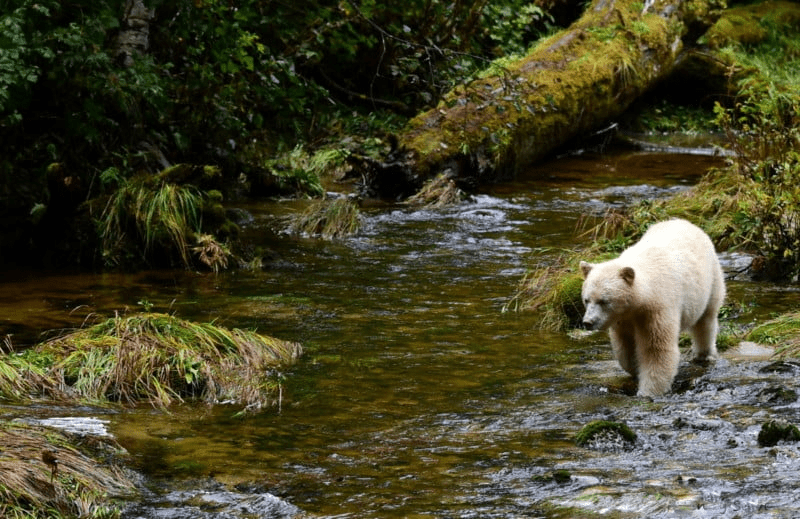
(589, 324)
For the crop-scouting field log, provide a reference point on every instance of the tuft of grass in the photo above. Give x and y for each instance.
(161, 359)
(82, 486)
(553, 292)
(165, 216)
(438, 192)
(783, 331)
(328, 219)
(211, 253)
(151, 357)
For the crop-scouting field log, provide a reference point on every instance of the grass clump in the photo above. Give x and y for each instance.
(161, 359)
(82, 486)
(438, 192)
(164, 216)
(155, 358)
(328, 219)
(783, 331)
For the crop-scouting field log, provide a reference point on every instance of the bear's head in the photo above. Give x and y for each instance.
(607, 293)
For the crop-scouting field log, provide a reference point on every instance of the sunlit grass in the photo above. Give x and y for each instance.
(161, 359)
(154, 358)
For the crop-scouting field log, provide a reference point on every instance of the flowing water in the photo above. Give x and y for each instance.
(417, 396)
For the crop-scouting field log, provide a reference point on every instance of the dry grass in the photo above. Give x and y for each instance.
(438, 192)
(82, 487)
(328, 219)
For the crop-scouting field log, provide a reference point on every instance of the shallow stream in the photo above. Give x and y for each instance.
(417, 396)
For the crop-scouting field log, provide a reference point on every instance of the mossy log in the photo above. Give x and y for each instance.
(569, 84)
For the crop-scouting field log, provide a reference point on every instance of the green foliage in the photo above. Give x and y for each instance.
(764, 129)
(665, 117)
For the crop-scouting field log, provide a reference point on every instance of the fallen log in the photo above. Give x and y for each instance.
(518, 112)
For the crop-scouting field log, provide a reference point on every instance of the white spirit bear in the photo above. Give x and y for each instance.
(670, 281)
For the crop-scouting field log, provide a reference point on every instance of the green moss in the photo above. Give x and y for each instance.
(775, 431)
(593, 430)
(515, 116)
(750, 24)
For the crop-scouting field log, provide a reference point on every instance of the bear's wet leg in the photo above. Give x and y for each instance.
(658, 365)
(704, 338)
(623, 345)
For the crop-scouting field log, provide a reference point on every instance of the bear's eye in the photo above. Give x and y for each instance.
(602, 302)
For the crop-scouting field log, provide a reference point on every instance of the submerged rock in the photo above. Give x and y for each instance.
(605, 435)
(212, 504)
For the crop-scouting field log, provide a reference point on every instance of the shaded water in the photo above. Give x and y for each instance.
(417, 397)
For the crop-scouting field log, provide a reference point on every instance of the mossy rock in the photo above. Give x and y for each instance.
(776, 431)
(606, 435)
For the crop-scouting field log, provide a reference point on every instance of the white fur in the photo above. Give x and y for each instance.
(670, 281)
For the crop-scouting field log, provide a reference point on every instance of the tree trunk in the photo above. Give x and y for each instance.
(569, 84)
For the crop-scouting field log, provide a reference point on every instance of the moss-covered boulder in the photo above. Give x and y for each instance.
(776, 431)
(606, 435)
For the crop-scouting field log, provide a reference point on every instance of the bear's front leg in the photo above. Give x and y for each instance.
(623, 346)
(658, 366)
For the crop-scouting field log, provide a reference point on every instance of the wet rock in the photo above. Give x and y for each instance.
(782, 367)
(736, 265)
(776, 431)
(605, 435)
(213, 504)
(777, 396)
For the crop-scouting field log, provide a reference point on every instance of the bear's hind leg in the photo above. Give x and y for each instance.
(704, 337)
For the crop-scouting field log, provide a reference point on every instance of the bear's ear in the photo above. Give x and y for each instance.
(627, 273)
(586, 268)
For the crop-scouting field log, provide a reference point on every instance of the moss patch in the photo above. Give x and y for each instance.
(600, 433)
(514, 116)
(776, 431)
(750, 24)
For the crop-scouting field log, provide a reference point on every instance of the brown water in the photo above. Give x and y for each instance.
(416, 397)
